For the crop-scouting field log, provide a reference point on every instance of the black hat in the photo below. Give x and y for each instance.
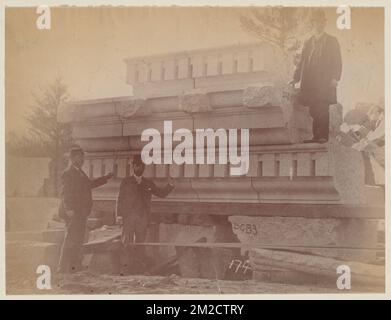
(318, 15)
(137, 159)
(74, 150)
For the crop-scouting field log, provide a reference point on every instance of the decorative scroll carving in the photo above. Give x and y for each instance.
(262, 96)
(193, 102)
(128, 109)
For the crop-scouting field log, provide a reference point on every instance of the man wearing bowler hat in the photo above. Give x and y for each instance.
(318, 72)
(76, 204)
(134, 206)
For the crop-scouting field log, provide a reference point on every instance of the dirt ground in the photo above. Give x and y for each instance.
(97, 284)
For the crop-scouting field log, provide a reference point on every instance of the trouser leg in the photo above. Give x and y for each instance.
(125, 258)
(140, 236)
(127, 245)
(70, 257)
(319, 111)
(138, 257)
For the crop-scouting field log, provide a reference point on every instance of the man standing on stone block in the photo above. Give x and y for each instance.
(76, 204)
(318, 72)
(134, 206)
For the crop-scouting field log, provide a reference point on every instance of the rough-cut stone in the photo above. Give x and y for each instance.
(316, 265)
(348, 172)
(268, 273)
(261, 96)
(194, 101)
(189, 262)
(128, 109)
(104, 232)
(282, 171)
(177, 233)
(204, 262)
(336, 119)
(311, 233)
(94, 223)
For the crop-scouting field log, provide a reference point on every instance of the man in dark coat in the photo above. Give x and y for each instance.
(134, 206)
(319, 71)
(76, 204)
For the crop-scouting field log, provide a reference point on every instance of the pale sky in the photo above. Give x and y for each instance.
(86, 47)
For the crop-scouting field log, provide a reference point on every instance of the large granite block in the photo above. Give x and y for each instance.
(178, 233)
(323, 236)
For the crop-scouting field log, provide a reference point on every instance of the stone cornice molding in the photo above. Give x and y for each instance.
(194, 101)
(261, 96)
(130, 108)
(196, 52)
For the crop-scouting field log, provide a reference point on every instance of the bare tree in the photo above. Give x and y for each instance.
(46, 136)
(283, 27)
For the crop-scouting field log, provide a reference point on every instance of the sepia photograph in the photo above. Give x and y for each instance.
(206, 150)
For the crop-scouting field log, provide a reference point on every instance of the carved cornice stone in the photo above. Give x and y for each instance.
(195, 101)
(261, 96)
(128, 109)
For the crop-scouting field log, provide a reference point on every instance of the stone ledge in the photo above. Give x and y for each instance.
(270, 209)
(257, 209)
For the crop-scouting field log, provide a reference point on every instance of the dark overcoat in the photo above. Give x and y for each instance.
(76, 192)
(134, 199)
(320, 62)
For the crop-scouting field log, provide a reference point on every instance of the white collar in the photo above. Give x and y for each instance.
(137, 178)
